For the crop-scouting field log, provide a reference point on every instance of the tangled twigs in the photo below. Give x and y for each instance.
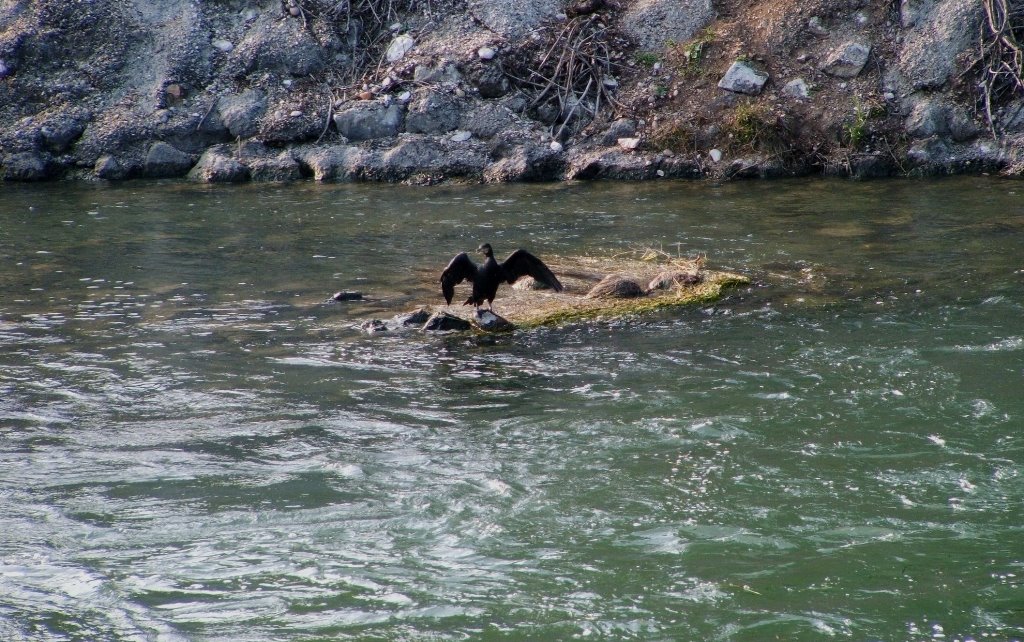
(1002, 53)
(571, 73)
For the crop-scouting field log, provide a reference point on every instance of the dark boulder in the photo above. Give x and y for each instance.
(487, 320)
(445, 322)
(164, 160)
(25, 166)
(216, 166)
(415, 318)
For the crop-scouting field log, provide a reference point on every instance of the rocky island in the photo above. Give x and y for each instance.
(423, 91)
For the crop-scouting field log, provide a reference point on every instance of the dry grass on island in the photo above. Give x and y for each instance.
(606, 287)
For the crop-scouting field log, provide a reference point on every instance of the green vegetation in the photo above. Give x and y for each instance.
(754, 126)
(689, 56)
(856, 130)
(646, 59)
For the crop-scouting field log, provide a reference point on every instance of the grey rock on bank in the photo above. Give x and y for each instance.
(366, 120)
(240, 113)
(24, 166)
(742, 78)
(164, 160)
(655, 23)
(847, 60)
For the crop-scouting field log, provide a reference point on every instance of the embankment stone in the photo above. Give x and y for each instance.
(217, 165)
(365, 120)
(742, 78)
(165, 161)
(240, 113)
(847, 60)
(655, 24)
(24, 166)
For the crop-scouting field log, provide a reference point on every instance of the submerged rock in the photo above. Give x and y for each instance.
(488, 320)
(399, 323)
(445, 322)
(347, 295)
(373, 326)
(416, 318)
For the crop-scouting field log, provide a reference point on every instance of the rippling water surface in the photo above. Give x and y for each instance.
(194, 446)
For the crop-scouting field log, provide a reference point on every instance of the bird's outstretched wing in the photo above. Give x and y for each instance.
(459, 269)
(522, 263)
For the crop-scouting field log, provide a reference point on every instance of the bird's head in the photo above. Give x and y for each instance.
(486, 250)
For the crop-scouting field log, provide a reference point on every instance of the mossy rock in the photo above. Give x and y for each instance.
(579, 275)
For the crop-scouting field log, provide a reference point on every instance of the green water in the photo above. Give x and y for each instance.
(194, 446)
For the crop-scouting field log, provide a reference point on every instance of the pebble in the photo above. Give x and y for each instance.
(716, 155)
(405, 96)
(222, 45)
(815, 26)
(556, 146)
(796, 88)
(400, 46)
(296, 113)
(628, 143)
(461, 136)
(486, 53)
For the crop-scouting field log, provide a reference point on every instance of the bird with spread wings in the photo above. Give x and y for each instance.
(487, 277)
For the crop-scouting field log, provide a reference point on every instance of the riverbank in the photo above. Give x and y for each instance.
(493, 91)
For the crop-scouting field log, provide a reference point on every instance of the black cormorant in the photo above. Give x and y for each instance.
(487, 277)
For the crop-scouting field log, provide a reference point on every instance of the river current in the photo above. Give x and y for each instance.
(194, 445)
